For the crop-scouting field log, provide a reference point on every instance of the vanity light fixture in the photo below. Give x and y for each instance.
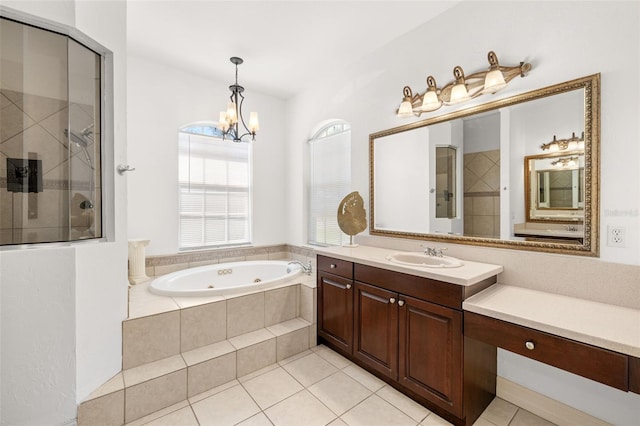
(571, 144)
(461, 89)
(231, 118)
(565, 162)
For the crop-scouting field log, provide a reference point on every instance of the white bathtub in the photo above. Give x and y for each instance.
(225, 278)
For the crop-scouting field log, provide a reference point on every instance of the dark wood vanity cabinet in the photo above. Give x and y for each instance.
(376, 329)
(408, 331)
(335, 303)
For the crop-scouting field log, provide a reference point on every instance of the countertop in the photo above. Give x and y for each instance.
(599, 324)
(468, 274)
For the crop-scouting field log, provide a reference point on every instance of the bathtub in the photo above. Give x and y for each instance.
(225, 278)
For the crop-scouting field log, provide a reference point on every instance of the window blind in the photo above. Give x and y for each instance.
(214, 192)
(330, 182)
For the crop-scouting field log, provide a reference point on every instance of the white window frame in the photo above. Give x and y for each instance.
(323, 229)
(193, 138)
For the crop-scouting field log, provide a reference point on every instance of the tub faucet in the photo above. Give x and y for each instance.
(306, 268)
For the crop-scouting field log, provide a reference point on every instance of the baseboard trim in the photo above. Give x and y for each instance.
(543, 406)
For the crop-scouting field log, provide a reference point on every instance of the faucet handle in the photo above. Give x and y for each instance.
(439, 252)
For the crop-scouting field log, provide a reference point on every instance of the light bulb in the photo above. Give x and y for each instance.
(459, 93)
(430, 101)
(222, 122)
(494, 81)
(254, 124)
(232, 114)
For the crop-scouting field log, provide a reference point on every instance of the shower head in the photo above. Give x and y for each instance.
(78, 139)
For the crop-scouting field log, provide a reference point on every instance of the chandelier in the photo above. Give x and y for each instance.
(461, 89)
(230, 119)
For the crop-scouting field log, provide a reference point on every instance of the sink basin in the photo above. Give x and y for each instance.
(424, 260)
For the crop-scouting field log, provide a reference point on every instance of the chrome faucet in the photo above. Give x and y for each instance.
(430, 251)
(306, 268)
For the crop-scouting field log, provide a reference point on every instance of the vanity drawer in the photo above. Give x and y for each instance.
(634, 374)
(333, 266)
(601, 365)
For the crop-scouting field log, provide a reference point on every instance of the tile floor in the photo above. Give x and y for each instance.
(317, 387)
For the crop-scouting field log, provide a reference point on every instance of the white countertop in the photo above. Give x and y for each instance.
(468, 274)
(599, 324)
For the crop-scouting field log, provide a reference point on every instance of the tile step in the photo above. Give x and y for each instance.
(139, 391)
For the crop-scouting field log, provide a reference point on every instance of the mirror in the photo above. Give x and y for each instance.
(554, 187)
(479, 176)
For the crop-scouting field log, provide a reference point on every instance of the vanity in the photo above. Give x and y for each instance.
(433, 332)
(405, 324)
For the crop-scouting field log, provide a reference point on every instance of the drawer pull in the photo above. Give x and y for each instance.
(392, 300)
(530, 345)
(333, 266)
(348, 286)
(400, 302)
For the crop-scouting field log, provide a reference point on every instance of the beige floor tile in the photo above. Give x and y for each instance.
(434, 420)
(257, 336)
(483, 422)
(158, 414)
(257, 373)
(292, 343)
(211, 374)
(208, 352)
(182, 417)
(295, 357)
(500, 412)
(375, 411)
(364, 377)
(203, 325)
(211, 392)
(225, 408)
(339, 392)
(258, 420)
(153, 370)
(272, 387)
(333, 357)
(403, 403)
(153, 395)
(337, 422)
(107, 410)
(310, 369)
(300, 409)
(526, 418)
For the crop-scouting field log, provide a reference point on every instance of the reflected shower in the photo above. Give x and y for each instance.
(82, 141)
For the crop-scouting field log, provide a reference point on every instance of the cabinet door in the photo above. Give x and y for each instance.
(431, 352)
(376, 328)
(335, 311)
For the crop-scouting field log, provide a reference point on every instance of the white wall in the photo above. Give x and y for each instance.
(161, 99)
(563, 41)
(62, 306)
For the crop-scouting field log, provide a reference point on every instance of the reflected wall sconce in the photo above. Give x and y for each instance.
(461, 89)
(571, 144)
(230, 119)
(565, 162)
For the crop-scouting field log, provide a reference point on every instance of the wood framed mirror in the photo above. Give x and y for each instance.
(492, 204)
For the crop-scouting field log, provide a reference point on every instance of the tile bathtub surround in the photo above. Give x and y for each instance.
(150, 339)
(203, 325)
(157, 265)
(292, 392)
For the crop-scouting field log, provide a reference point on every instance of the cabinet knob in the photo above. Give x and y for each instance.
(348, 286)
(530, 345)
(392, 300)
(400, 302)
(333, 266)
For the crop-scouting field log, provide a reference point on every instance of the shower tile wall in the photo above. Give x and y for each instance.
(33, 127)
(482, 194)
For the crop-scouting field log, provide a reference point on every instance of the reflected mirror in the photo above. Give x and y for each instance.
(480, 176)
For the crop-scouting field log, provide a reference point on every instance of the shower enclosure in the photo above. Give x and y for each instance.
(50, 145)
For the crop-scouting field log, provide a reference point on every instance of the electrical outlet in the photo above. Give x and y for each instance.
(616, 236)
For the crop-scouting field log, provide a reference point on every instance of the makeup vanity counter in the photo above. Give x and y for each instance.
(594, 340)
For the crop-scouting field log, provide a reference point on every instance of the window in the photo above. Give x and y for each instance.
(215, 189)
(330, 182)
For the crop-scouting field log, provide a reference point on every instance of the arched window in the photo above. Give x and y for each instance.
(214, 188)
(330, 181)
